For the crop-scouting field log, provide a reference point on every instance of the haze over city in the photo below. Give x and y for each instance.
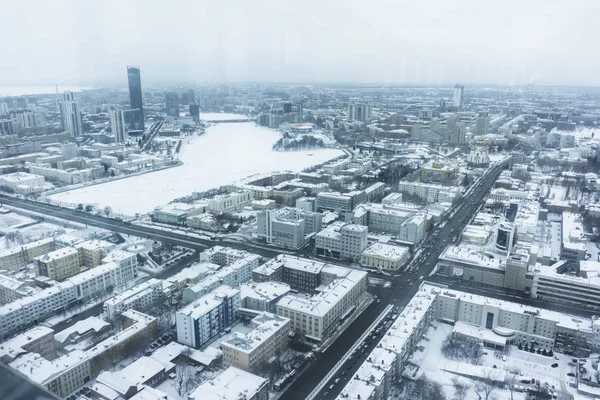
(318, 200)
(431, 42)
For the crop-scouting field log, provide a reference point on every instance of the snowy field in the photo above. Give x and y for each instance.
(224, 154)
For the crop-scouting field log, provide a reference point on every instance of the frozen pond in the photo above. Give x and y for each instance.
(225, 153)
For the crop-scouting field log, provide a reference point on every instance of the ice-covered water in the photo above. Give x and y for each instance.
(225, 153)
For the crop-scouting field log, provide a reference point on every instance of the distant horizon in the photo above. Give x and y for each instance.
(30, 90)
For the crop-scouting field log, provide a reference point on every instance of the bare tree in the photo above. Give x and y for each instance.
(488, 383)
(511, 380)
(428, 389)
(461, 389)
(107, 210)
(186, 375)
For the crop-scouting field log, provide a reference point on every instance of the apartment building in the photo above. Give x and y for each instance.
(223, 255)
(91, 252)
(251, 352)
(230, 202)
(335, 201)
(139, 298)
(318, 316)
(59, 264)
(124, 258)
(12, 289)
(412, 231)
(205, 318)
(341, 241)
(174, 285)
(301, 274)
(39, 339)
(263, 296)
(428, 192)
(384, 364)
(233, 275)
(233, 384)
(31, 309)
(61, 376)
(17, 257)
(385, 256)
(69, 372)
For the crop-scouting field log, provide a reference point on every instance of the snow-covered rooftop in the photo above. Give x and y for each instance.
(267, 325)
(204, 304)
(231, 384)
(320, 304)
(266, 291)
(81, 327)
(387, 251)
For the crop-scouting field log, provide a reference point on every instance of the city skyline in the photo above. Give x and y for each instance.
(434, 44)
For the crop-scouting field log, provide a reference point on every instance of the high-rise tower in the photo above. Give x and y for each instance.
(135, 92)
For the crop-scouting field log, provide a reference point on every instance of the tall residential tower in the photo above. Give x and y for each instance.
(458, 95)
(70, 114)
(117, 125)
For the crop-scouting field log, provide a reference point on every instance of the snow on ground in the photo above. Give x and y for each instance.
(431, 361)
(224, 154)
(494, 157)
(13, 220)
(557, 193)
(42, 230)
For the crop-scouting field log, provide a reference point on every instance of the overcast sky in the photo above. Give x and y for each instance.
(434, 42)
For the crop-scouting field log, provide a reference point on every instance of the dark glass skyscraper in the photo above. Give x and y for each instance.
(172, 104)
(135, 92)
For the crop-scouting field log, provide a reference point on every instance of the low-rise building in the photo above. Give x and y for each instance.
(253, 351)
(176, 213)
(206, 317)
(385, 256)
(233, 384)
(230, 202)
(24, 183)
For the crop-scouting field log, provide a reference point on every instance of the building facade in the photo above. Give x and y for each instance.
(208, 316)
